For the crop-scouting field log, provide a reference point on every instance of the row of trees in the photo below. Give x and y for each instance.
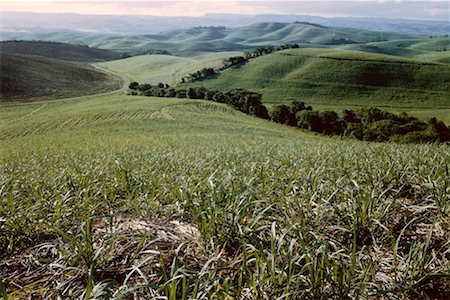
(243, 100)
(200, 74)
(267, 50)
(145, 52)
(235, 61)
(366, 124)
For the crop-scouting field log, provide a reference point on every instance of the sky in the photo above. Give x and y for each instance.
(409, 9)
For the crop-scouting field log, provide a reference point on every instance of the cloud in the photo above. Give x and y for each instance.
(358, 8)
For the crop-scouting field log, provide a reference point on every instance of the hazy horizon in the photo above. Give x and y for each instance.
(419, 10)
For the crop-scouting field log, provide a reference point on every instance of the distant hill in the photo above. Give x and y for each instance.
(330, 77)
(60, 51)
(26, 78)
(18, 24)
(219, 38)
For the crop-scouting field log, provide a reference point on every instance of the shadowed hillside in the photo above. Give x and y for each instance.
(60, 51)
(26, 78)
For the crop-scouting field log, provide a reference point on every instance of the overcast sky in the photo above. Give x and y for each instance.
(432, 10)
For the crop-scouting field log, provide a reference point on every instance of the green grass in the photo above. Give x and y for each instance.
(59, 51)
(341, 78)
(168, 69)
(436, 49)
(33, 78)
(139, 197)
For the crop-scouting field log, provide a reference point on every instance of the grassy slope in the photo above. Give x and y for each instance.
(60, 51)
(435, 49)
(164, 68)
(29, 78)
(334, 77)
(236, 179)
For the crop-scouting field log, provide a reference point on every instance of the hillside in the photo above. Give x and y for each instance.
(336, 77)
(435, 49)
(61, 51)
(146, 197)
(27, 78)
(219, 38)
(168, 69)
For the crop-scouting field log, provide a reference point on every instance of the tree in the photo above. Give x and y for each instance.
(282, 114)
(348, 116)
(309, 120)
(133, 86)
(260, 111)
(330, 123)
(247, 55)
(297, 106)
(181, 93)
(209, 95)
(190, 93)
(144, 87)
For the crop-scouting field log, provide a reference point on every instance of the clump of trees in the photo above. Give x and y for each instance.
(238, 60)
(243, 100)
(152, 51)
(366, 124)
(267, 50)
(144, 52)
(233, 61)
(199, 75)
(201, 29)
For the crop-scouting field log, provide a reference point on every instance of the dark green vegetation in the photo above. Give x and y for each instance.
(370, 125)
(146, 197)
(29, 78)
(59, 51)
(323, 76)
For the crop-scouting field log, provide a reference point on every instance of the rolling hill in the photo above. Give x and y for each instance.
(27, 78)
(219, 38)
(61, 51)
(337, 77)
